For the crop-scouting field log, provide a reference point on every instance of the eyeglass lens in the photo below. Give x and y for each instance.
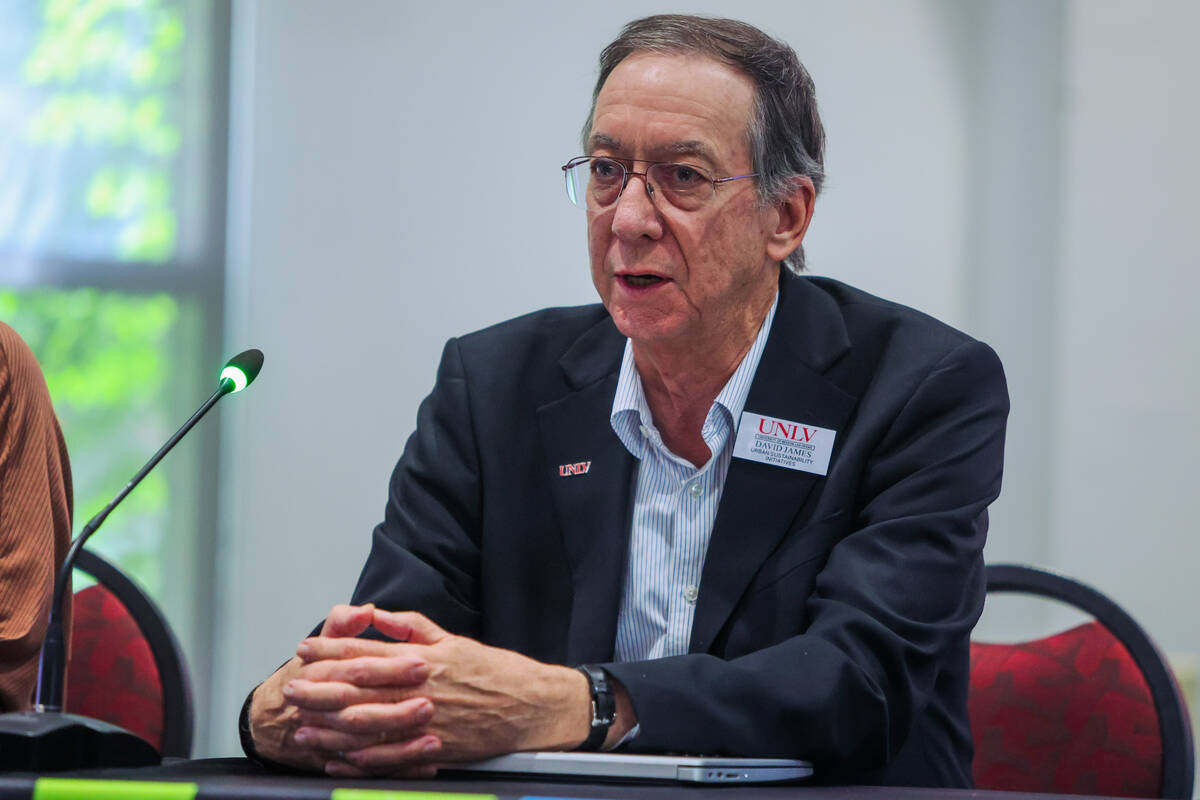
(598, 182)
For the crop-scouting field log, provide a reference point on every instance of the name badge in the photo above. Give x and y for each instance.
(783, 443)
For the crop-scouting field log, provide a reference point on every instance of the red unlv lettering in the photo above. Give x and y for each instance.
(786, 430)
(578, 468)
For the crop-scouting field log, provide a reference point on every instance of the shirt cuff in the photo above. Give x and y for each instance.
(629, 736)
(247, 741)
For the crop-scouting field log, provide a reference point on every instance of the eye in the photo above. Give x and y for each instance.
(606, 170)
(684, 174)
(682, 177)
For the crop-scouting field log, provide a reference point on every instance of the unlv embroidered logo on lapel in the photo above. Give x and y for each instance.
(578, 468)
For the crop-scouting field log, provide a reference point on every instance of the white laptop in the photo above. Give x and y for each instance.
(626, 766)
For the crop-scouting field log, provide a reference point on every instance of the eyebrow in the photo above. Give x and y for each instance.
(599, 141)
(687, 147)
(691, 147)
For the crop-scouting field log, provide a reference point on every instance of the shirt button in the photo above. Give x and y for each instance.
(691, 593)
(695, 489)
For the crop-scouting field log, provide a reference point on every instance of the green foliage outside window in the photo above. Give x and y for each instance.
(91, 147)
(106, 75)
(106, 357)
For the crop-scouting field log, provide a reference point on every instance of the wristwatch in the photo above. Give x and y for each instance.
(604, 706)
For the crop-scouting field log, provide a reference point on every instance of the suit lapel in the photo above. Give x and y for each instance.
(760, 502)
(592, 505)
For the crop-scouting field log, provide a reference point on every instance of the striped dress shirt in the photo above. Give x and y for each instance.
(674, 507)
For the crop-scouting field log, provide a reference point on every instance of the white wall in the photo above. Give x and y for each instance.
(1125, 438)
(1013, 57)
(394, 182)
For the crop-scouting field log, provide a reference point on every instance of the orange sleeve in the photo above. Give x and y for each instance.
(35, 515)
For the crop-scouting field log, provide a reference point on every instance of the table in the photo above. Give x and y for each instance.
(230, 778)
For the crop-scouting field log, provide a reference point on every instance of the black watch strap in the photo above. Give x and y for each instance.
(604, 706)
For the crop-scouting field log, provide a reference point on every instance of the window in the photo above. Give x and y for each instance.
(112, 181)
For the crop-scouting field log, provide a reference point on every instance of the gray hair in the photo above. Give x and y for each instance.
(785, 133)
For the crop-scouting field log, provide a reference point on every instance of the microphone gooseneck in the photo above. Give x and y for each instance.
(237, 374)
(47, 739)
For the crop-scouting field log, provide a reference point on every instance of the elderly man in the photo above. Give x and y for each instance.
(746, 507)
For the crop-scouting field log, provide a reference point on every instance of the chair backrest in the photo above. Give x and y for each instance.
(125, 666)
(1092, 710)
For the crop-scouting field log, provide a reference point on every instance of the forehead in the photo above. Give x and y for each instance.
(662, 107)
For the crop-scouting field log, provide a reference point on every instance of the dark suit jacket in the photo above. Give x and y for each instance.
(834, 612)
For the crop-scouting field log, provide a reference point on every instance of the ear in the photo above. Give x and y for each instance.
(793, 213)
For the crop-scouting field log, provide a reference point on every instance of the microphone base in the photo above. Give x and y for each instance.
(55, 741)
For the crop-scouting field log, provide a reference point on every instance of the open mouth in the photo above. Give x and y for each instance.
(640, 281)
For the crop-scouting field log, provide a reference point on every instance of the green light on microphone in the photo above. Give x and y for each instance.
(237, 376)
(241, 370)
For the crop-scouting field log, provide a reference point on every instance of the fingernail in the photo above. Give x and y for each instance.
(289, 690)
(432, 746)
(303, 648)
(419, 673)
(301, 736)
(425, 713)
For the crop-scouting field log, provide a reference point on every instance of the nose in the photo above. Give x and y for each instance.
(636, 215)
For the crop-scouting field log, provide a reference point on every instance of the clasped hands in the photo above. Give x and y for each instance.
(355, 707)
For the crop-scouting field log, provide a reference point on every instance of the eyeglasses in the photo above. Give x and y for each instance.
(596, 182)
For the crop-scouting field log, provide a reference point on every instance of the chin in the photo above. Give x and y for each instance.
(641, 329)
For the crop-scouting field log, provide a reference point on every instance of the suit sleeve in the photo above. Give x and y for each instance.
(425, 554)
(897, 594)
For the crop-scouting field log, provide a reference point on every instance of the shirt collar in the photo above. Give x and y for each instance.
(630, 412)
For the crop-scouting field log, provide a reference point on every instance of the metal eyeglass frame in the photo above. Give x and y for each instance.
(644, 175)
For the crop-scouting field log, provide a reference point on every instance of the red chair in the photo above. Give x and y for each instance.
(1092, 710)
(125, 665)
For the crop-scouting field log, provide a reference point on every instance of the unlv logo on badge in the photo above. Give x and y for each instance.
(786, 430)
(578, 468)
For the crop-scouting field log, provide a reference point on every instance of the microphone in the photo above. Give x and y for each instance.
(47, 738)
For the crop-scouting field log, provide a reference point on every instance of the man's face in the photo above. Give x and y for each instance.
(711, 275)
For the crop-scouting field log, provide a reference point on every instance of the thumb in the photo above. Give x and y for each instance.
(408, 626)
(346, 620)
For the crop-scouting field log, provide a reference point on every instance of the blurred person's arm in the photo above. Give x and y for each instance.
(35, 515)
